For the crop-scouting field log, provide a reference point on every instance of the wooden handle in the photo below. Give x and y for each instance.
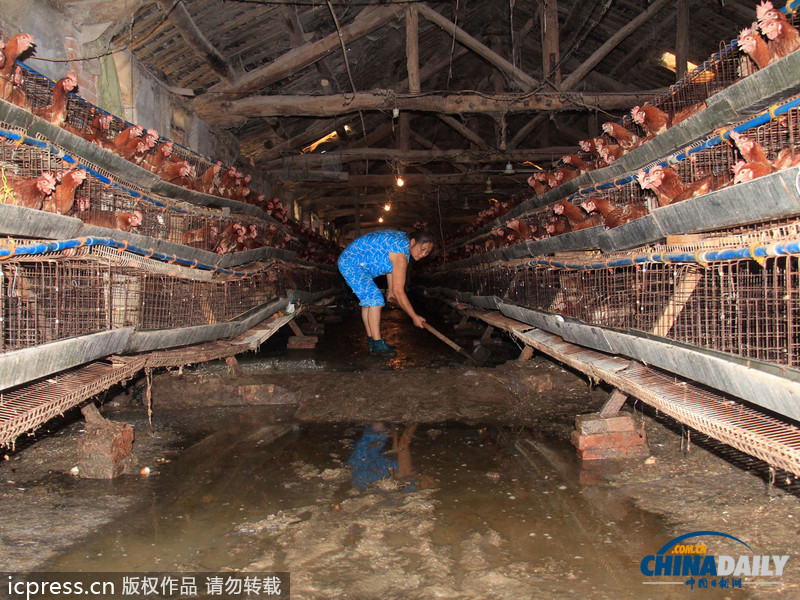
(444, 338)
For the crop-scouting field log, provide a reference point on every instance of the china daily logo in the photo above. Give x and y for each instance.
(690, 561)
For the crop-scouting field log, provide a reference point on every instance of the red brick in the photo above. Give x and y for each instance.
(620, 439)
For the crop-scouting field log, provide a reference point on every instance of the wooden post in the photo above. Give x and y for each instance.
(680, 296)
(682, 40)
(526, 354)
(295, 328)
(613, 404)
(590, 63)
(412, 48)
(550, 54)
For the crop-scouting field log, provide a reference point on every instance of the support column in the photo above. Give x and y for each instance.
(609, 433)
(550, 54)
(682, 40)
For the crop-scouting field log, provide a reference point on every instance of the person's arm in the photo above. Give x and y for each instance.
(389, 289)
(397, 285)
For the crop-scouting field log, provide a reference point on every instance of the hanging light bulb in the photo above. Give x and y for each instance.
(509, 170)
(400, 182)
(488, 189)
(380, 219)
(387, 207)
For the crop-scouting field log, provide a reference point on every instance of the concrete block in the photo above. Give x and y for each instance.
(593, 423)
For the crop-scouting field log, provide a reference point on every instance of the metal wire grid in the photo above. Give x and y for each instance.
(50, 299)
(740, 307)
(47, 300)
(24, 161)
(780, 133)
(746, 309)
(27, 407)
(100, 204)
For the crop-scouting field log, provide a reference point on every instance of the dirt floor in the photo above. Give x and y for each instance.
(482, 528)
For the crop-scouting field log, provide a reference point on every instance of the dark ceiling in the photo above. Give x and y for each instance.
(274, 74)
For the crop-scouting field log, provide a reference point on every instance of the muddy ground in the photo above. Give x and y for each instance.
(471, 536)
(386, 544)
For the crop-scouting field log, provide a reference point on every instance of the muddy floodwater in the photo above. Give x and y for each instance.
(490, 526)
(498, 505)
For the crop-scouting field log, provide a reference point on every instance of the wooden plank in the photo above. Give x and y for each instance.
(613, 404)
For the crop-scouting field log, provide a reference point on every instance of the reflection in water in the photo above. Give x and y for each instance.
(368, 463)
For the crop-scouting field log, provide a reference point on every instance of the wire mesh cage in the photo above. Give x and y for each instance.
(51, 297)
(741, 306)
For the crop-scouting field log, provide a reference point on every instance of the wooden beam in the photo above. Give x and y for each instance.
(295, 27)
(364, 199)
(550, 53)
(468, 134)
(311, 134)
(194, 38)
(373, 137)
(431, 146)
(412, 179)
(430, 68)
(682, 39)
(522, 79)
(368, 20)
(452, 104)
(590, 63)
(412, 48)
(457, 156)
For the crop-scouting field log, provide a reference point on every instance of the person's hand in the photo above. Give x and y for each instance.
(419, 321)
(390, 298)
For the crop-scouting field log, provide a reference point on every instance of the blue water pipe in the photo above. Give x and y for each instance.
(754, 252)
(124, 246)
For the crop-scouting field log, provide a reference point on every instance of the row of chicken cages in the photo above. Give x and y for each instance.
(614, 203)
(24, 170)
(81, 118)
(50, 297)
(739, 307)
(724, 68)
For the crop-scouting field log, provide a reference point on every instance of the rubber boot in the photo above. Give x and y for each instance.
(370, 344)
(381, 347)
